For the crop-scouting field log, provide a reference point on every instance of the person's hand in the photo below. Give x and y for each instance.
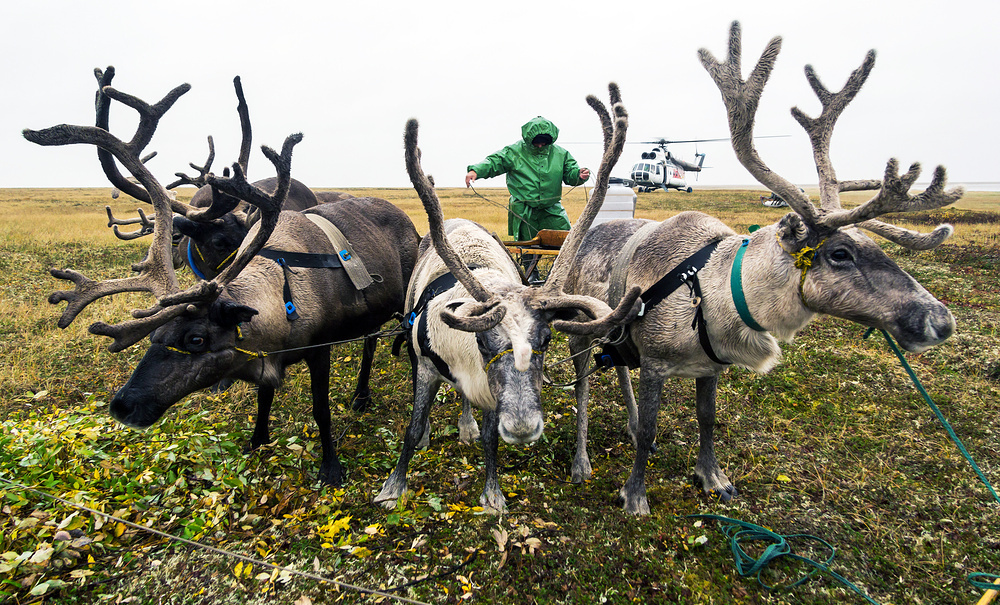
(585, 173)
(469, 177)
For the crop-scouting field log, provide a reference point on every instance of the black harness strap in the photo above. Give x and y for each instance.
(702, 325)
(303, 259)
(439, 285)
(683, 273)
(425, 347)
(287, 260)
(686, 272)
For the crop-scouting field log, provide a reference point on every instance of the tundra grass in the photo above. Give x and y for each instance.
(835, 442)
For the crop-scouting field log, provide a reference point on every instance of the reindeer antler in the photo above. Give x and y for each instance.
(741, 99)
(146, 229)
(203, 171)
(435, 218)
(155, 273)
(614, 143)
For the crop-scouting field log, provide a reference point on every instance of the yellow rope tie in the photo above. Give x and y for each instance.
(244, 351)
(804, 261)
(251, 353)
(502, 353)
(226, 260)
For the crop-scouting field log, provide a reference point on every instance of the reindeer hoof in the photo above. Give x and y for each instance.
(361, 404)
(332, 476)
(635, 504)
(726, 494)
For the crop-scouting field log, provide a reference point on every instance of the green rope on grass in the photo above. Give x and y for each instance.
(937, 412)
(983, 584)
(741, 532)
(972, 577)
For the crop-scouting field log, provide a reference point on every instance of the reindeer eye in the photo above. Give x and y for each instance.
(546, 339)
(841, 255)
(194, 342)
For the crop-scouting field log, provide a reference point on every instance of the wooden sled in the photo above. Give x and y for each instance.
(545, 245)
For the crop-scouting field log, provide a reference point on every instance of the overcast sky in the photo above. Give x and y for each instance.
(348, 78)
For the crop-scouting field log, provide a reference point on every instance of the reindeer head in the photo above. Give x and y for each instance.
(511, 320)
(207, 241)
(840, 267)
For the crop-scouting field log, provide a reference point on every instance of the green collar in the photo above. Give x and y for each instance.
(736, 286)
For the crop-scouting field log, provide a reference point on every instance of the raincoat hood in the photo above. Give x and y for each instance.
(537, 126)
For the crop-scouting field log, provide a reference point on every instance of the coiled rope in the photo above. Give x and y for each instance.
(741, 532)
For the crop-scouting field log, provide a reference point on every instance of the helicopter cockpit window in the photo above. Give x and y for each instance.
(657, 169)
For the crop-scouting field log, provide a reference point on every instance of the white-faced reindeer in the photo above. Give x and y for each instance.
(476, 325)
(754, 290)
(237, 325)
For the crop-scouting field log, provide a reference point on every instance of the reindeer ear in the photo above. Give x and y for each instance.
(793, 233)
(190, 228)
(229, 313)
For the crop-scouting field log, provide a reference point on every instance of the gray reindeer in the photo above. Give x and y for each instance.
(742, 294)
(238, 325)
(477, 326)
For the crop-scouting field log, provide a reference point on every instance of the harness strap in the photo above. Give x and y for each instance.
(425, 346)
(439, 285)
(685, 272)
(353, 265)
(302, 259)
(702, 325)
(736, 287)
(291, 313)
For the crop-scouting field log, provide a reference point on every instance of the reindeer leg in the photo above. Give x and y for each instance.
(425, 385)
(261, 433)
(362, 398)
(581, 469)
(625, 381)
(634, 491)
(318, 360)
(492, 499)
(713, 480)
(468, 430)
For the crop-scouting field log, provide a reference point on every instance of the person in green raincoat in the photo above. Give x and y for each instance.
(536, 168)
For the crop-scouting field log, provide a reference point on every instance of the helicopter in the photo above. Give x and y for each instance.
(660, 169)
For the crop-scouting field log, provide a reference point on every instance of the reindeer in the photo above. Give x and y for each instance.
(477, 326)
(205, 245)
(753, 290)
(236, 325)
(208, 243)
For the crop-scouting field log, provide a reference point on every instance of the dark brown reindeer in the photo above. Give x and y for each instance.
(235, 325)
(754, 290)
(205, 242)
(477, 326)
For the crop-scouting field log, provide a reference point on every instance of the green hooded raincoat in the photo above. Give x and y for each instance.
(534, 180)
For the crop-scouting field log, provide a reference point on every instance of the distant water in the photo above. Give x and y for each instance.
(979, 186)
(969, 186)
